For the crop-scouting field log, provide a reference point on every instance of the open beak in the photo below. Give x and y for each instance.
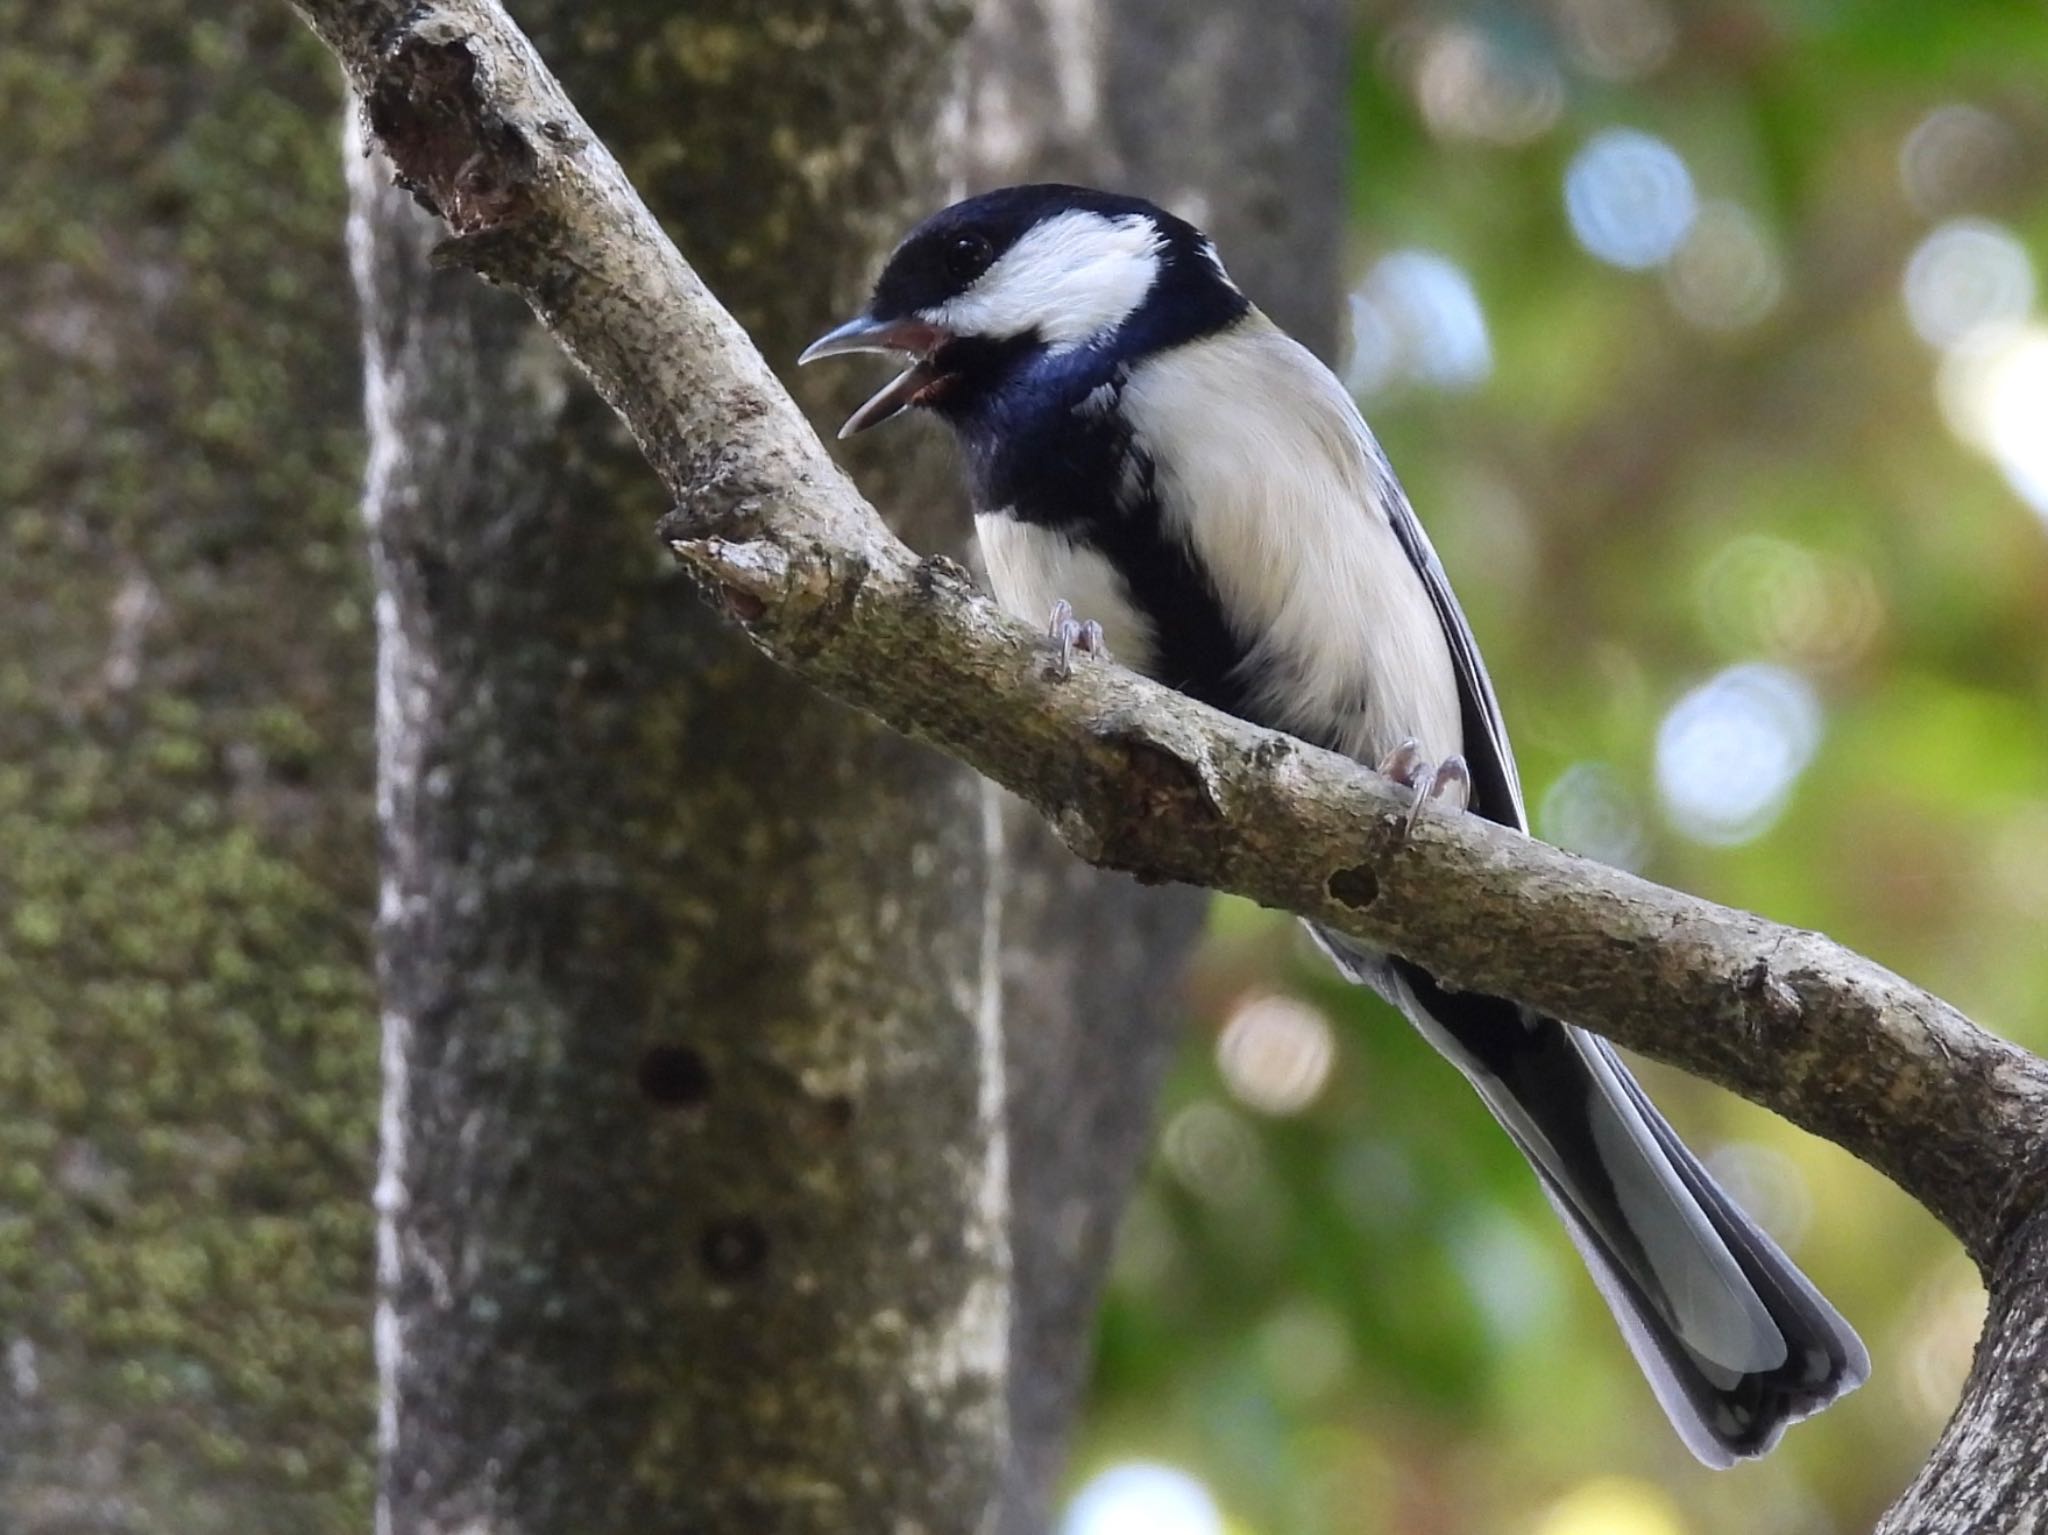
(916, 339)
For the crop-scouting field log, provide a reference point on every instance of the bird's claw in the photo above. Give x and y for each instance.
(1429, 781)
(1070, 634)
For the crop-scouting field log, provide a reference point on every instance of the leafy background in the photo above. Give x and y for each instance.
(1706, 340)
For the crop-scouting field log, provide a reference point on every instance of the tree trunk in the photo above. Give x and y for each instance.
(697, 1202)
(1988, 1471)
(691, 1213)
(187, 1046)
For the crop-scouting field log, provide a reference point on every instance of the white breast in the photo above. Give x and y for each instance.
(1264, 466)
(1030, 568)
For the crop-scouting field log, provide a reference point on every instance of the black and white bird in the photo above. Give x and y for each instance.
(1147, 450)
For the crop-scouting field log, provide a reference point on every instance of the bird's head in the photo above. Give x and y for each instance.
(982, 288)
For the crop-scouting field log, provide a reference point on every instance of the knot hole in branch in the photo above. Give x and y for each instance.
(1145, 802)
(461, 161)
(673, 1076)
(1356, 887)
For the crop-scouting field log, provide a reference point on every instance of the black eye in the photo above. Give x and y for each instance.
(967, 257)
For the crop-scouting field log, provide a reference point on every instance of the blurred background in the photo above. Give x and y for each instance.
(1708, 338)
(1709, 344)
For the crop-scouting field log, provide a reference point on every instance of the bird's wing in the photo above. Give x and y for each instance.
(1496, 785)
(1734, 1340)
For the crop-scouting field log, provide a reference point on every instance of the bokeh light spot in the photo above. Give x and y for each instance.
(1994, 391)
(1589, 810)
(1509, 1273)
(1143, 1498)
(1766, 1183)
(1374, 1182)
(1213, 1153)
(1955, 154)
(1726, 276)
(1630, 198)
(1416, 319)
(1758, 592)
(1966, 275)
(1613, 1505)
(1305, 1350)
(1618, 39)
(1473, 84)
(2018, 861)
(1941, 1329)
(1275, 1054)
(1730, 751)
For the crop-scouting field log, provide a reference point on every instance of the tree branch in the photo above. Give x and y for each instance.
(1134, 776)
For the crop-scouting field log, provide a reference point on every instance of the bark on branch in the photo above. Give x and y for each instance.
(1138, 778)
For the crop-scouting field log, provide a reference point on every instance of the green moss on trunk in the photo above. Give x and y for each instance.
(187, 1063)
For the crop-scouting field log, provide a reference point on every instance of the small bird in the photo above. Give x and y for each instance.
(1147, 450)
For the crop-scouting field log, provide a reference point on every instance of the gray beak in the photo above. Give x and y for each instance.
(916, 339)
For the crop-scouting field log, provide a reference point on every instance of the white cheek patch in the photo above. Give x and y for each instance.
(1071, 278)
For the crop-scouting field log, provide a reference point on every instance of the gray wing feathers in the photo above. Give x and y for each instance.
(1496, 782)
(1734, 1340)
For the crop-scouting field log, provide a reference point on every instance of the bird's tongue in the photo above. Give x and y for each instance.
(893, 398)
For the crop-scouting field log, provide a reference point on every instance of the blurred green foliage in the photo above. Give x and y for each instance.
(1360, 1315)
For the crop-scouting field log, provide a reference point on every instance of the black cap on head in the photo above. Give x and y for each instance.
(945, 255)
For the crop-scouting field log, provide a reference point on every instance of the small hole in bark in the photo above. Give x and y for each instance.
(836, 1113)
(674, 1076)
(1357, 888)
(734, 1247)
(744, 606)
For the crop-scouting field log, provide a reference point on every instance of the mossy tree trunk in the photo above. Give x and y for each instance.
(187, 1029)
(693, 1193)
(701, 1182)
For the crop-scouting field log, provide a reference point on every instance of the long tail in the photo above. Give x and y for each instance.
(1735, 1341)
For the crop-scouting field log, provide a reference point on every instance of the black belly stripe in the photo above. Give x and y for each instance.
(1074, 471)
(1194, 650)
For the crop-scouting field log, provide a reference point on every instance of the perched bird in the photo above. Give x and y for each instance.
(1147, 450)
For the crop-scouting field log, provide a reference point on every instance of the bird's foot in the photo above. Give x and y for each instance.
(1070, 634)
(1429, 781)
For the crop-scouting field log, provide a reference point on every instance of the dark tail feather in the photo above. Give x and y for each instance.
(1824, 1357)
(1735, 1341)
